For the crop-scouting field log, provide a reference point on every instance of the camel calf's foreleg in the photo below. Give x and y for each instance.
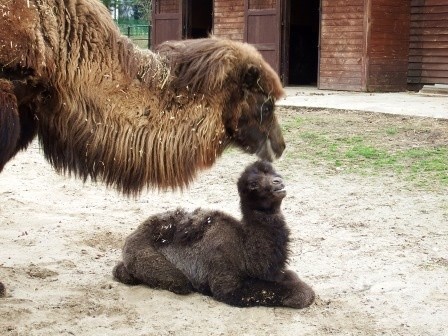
(9, 122)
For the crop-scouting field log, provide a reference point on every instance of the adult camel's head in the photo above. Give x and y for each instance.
(237, 80)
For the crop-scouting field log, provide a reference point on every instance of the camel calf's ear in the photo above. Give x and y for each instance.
(251, 77)
(9, 122)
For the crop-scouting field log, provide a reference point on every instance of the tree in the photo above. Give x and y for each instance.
(141, 9)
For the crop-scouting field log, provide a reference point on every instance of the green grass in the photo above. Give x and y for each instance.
(363, 150)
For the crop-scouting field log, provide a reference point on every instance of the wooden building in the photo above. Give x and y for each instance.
(428, 47)
(356, 45)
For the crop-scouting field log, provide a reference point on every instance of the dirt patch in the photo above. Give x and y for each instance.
(373, 246)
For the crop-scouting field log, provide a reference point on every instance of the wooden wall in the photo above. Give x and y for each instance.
(387, 45)
(341, 45)
(229, 19)
(365, 45)
(428, 47)
(262, 4)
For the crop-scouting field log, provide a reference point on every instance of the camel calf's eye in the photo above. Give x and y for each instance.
(253, 185)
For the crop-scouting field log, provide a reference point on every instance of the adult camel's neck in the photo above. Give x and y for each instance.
(131, 130)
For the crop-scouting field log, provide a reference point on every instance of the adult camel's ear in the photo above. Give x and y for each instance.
(251, 77)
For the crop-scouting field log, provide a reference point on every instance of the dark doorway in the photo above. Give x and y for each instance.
(303, 42)
(200, 18)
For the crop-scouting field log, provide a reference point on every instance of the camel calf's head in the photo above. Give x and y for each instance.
(261, 188)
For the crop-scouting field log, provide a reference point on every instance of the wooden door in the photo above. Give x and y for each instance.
(167, 21)
(262, 28)
(428, 45)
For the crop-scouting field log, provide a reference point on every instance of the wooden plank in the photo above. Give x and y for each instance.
(334, 54)
(340, 74)
(388, 61)
(390, 16)
(429, 24)
(429, 10)
(434, 80)
(341, 3)
(427, 66)
(381, 3)
(229, 20)
(342, 16)
(342, 35)
(388, 79)
(396, 22)
(432, 52)
(429, 73)
(379, 68)
(386, 47)
(341, 67)
(428, 59)
(224, 25)
(376, 41)
(415, 80)
(428, 31)
(400, 30)
(390, 55)
(390, 8)
(340, 80)
(428, 3)
(340, 61)
(388, 39)
(387, 88)
(429, 45)
(341, 41)
(339, 87)
(389, 49)
(429, 38)
(431, 17)
(343, 22)
(346, 9)
(335, 29)
(342, 48)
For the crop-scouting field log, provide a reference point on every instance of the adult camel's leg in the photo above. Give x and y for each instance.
(9, 122)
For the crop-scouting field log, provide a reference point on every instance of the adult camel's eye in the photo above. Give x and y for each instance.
(266, 109)
(265, 113)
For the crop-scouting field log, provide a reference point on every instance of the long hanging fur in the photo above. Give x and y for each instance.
(106, 110)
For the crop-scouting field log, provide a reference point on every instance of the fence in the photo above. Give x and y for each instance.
(140, 34)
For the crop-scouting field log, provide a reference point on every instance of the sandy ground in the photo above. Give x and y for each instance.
(374, 250)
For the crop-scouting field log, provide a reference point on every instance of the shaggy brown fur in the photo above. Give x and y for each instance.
(104, 109)
(242, 263)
